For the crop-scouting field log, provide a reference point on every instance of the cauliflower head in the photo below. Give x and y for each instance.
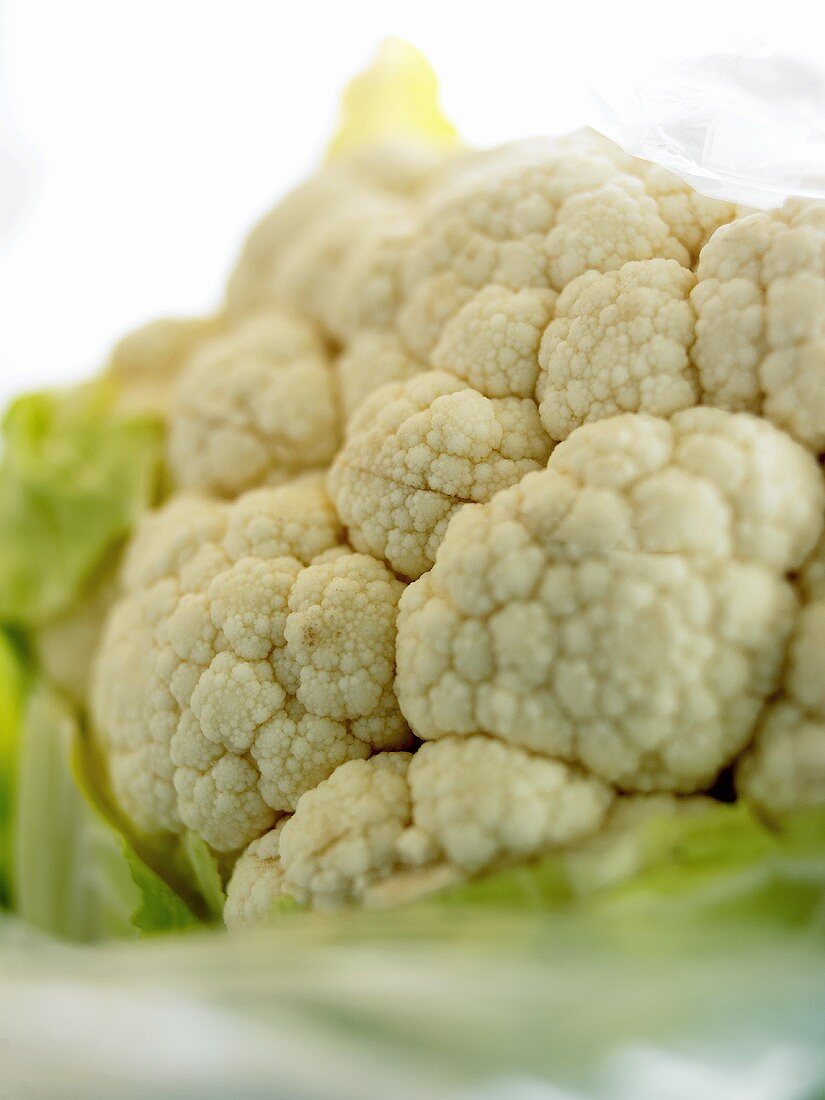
(250, 654)
(513, 452)
(369, 361)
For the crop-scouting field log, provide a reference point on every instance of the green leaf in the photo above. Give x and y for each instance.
(717, 867)
(728, 866)
(74, 476)
(159, 908)
(76, 876)
(285, 906)
(12, 676)
(536, 886)
(205, 874)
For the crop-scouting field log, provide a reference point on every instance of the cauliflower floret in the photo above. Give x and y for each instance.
(369, 287)
(244, 664)
(785, 767)
(492, 342)
(627, 608)
(371, 360)
(309, 273)
(340, 632)
(692, 218)
(619, 343)
(387, 829)
(605, 228)
(256, 405)
(167, 539)
(255, 284)
(146, 363)
(529, 216)
(416, 452)
(483, 802)
(344, 833)
(760, 319)
(137, 756)
(316, 237)
(256, 881)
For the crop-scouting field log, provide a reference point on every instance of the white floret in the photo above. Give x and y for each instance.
(531, 216)
(256, 882)
(416, 452)
(371, 360)
(484, 802)
(344, 834)
(146, 364)
(627, 608)
(619, 342)
(492, 342)
(388, 829)
(250, 654)
(256, 405)
(784, 769)
(760, 327)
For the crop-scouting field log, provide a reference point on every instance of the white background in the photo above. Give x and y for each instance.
(139, 141)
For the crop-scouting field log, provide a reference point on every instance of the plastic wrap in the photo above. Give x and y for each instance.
(493, 1007)
(745, 125)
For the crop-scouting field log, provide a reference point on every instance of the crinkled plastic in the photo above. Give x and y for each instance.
(747, 126)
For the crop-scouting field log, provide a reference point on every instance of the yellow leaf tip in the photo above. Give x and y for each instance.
(394, 100)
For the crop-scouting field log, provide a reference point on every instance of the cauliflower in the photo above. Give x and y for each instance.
(691, 217)
(627, 608)
(416, 451)
(447, 812)
(492, 342)
(369, 289)
(496, 525)
(250, 654)
(255, 405)
(334, 252)
(483, 802)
